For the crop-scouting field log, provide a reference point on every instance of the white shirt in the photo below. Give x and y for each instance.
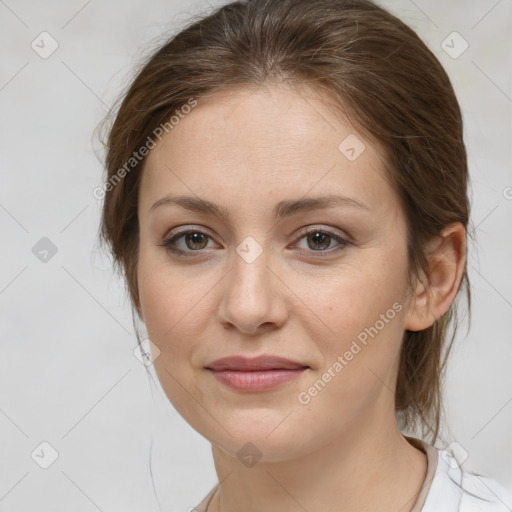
(447, 487)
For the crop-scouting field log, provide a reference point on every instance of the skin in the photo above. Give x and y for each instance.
(246, 150)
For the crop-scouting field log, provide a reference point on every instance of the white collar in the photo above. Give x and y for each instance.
(455, 489)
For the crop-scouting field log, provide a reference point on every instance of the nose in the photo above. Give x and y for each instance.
(253, 298)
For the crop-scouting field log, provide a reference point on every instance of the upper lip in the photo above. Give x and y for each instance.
(264, 362)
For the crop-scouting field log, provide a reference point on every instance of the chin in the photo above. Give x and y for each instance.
(266, 435)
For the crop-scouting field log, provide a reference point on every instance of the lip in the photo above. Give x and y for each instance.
(264, 362)
(256, 374)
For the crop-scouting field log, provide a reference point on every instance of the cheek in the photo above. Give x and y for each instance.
(363, 308)
(165, 302)
(354, 295)
(176, 312)
(168, 294)
(172, 313)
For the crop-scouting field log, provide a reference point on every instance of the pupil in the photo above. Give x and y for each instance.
(194, 238)
(322, 237)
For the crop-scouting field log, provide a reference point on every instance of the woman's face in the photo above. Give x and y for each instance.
(272, 277)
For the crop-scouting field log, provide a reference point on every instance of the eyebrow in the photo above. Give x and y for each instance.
(281, 210)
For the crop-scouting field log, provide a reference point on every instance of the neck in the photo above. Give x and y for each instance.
(371, 467)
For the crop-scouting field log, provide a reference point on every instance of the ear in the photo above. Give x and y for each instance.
(435, 293)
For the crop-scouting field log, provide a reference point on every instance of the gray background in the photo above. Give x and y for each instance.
(67, 372)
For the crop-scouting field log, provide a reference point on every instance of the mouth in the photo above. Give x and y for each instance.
(257, 374)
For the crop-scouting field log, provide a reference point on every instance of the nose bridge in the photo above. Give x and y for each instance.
(250, 267)
(250, 297)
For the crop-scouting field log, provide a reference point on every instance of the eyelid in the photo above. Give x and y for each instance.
(343, 241)
(187, 229)
(327, 230)
(178, 233)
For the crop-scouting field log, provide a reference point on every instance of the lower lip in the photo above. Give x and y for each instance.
(254, 381)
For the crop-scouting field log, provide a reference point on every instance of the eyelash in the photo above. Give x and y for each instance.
(167, 243)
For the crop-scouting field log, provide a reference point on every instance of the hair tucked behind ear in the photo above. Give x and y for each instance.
(376, 71)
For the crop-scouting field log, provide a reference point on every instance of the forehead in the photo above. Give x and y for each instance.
(265, 143)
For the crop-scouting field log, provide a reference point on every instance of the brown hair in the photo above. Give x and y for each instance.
(378, 72)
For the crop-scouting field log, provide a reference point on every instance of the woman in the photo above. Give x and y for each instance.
(287, 199)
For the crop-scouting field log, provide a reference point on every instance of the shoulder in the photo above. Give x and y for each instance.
(455, 489)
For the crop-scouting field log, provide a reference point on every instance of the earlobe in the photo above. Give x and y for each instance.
(419, 315)
(435, 293)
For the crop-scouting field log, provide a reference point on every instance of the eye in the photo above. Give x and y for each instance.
(319, 240)
(189, 241)
(186, 242)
